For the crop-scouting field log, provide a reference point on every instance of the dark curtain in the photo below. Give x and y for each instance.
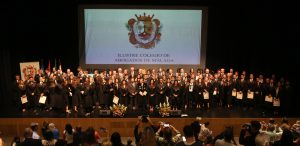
(5, 80)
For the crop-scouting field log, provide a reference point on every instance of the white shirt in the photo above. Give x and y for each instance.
(35, 135)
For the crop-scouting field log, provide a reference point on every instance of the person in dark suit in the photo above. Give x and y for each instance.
(28, 139)
(132, 89)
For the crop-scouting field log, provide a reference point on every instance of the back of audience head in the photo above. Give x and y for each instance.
(262, 140)
(255, 126)
(89, 137)
(167, 133)
(69, 128)
(228, 134)
(286, 138)
(188, 131)
(148, 137)
(28, 133)
(116, 139)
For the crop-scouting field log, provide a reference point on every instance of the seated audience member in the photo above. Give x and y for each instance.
(262, 139)
(167, 138)
(286, 139)
(45, 128)
(68, 134)
(189, 138)
(34, 128)
(49, 139)
(78, 136)
(248, 133)
(29, 141)
(228, 138)
(115, 139)
(284, 124)
(147, 137)
(54, 130)
(89, 137)
(296, 132)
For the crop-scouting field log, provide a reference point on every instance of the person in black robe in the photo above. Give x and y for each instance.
(250, 89)
(168, 90)
(41, 90)
(259, 99)
(90, 96)
(31, 95)
(60, 100)
(160, 92)
(199, 95)
(286, 100)
(108, 93)
(175, 95)
(142, 95)
(215, 99)
(191, 94)
(152, 101)
(233, 88)
(242, 88)
(279, 93)
(100, 92)
(21, 93)
(15, 91)
(123, 92)
(76, 95)
(207, 89)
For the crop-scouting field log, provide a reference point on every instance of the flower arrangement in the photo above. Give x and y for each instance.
(164, 109)
(118, 110)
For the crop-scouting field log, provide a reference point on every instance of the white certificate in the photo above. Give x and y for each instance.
(233, 93)
(268, 99)
(250, 95)
(239, 95)
(24, 99)
(116, 100)
(276, 102)
(205, 95)
(42, 99)
(215, 92)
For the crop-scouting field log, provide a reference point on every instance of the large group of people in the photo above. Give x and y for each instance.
(144, 89)
(159, 133)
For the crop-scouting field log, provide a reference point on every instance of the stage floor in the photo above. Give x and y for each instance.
(217, 112)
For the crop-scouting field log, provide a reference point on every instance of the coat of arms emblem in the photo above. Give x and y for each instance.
(144, 31)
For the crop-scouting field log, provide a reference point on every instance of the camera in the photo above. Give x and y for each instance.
(166, 125)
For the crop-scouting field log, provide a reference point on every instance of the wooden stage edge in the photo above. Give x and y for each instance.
(15, 126)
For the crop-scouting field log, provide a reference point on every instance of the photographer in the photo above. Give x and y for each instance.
(249, 132)
(143, 121)
(167, 139)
